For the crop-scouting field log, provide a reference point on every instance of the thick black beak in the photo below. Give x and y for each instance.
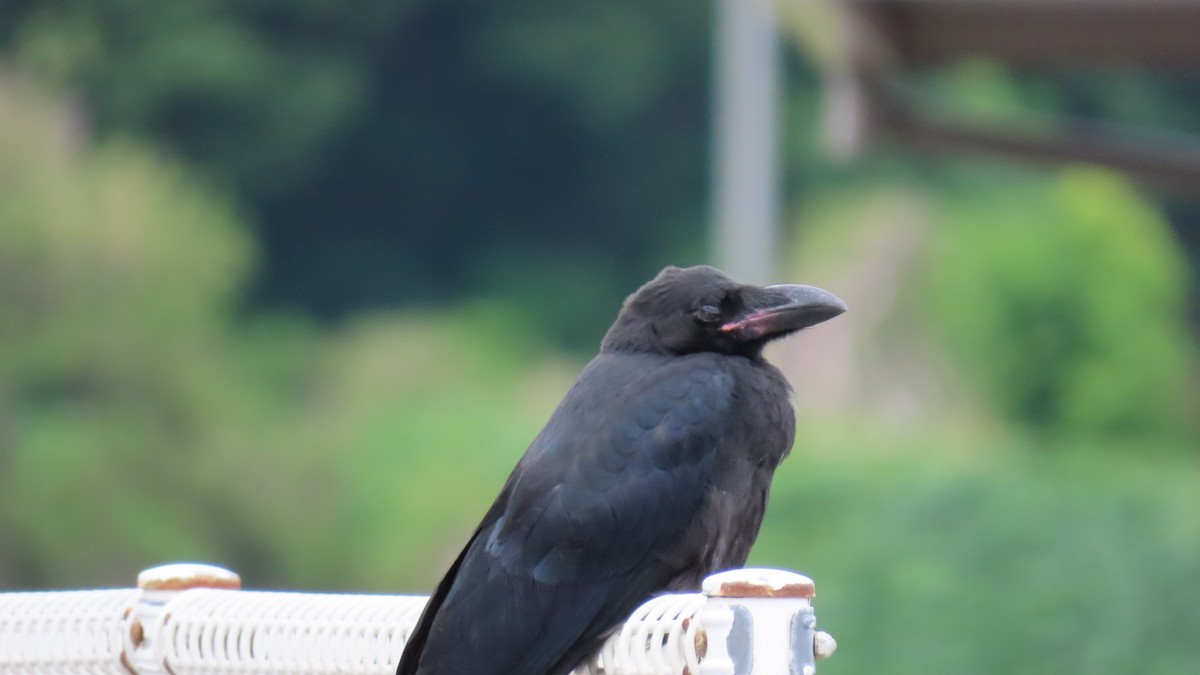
(775, 311)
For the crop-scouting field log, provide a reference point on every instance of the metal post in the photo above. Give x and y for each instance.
(158, 585)
(745, 152)
(761, 622)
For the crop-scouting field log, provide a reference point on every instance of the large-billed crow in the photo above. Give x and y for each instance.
(651, 474)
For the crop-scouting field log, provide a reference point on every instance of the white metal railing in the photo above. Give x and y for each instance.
(187, 618)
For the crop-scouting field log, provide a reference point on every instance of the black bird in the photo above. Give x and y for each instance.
(651, 474)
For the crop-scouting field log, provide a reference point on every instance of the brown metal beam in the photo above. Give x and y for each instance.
(1172, 166)
(887, 37)
(1154, 34)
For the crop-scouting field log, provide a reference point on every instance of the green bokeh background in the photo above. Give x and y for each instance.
(289, 287)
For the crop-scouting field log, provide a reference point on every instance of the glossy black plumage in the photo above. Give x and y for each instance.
(652, 473)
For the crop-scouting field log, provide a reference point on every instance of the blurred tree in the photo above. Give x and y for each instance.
(1050, 301)
(414, 152)
(143, 420)
(929, 561)
(1059, 297)
(117, 276)
(1065, 297)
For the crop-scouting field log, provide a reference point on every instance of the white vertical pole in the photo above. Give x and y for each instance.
(746, 139)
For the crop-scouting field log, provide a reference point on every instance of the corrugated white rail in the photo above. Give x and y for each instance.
(188, 618)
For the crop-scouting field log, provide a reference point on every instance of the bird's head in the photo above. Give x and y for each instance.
(700, 309)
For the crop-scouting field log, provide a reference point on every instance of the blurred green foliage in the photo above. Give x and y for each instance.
(996, 561)
(1064, 297)
(452, 137)
(1051, 302)
(143, 419)
(147, 414)
(118, 281)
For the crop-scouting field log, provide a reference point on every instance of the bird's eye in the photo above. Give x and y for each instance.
(708, 313)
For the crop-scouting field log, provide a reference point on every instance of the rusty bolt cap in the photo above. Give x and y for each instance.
(755, 582)
(701, 643)
(185, 576)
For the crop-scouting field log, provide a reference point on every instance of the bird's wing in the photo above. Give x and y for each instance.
(588, 526)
